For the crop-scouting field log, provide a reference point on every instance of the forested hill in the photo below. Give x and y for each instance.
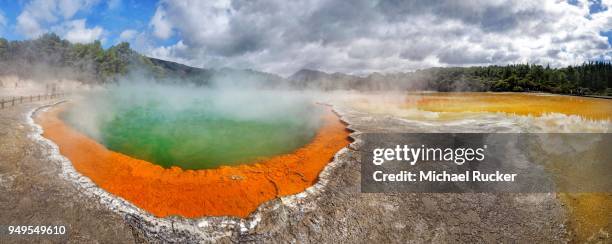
(51, 57)
(588, 78)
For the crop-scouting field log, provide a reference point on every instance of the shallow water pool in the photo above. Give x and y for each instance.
(199, 131)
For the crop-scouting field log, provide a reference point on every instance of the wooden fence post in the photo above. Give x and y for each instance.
(32, 98)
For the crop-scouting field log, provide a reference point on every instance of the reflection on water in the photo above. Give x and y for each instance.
(514, 103)
(516, 113)
(492, 112)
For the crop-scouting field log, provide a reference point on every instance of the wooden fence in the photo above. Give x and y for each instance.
(5, 103)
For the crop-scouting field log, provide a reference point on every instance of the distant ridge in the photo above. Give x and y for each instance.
(179, 68)
(50, 57)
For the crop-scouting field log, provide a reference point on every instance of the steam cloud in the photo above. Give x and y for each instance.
(239, 101)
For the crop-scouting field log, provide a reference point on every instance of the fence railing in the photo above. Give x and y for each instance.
(12, 101)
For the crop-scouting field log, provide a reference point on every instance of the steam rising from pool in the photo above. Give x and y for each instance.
(194, 127)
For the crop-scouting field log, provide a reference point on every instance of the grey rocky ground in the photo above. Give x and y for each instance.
(341, 213)
(32, 192)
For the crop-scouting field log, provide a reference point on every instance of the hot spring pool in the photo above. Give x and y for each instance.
(273, 143)
(199, 132)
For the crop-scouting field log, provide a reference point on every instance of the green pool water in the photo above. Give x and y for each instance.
(201, 134)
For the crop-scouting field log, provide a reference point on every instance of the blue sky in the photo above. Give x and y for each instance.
(597, 7)
(357, 36)
(113, 17)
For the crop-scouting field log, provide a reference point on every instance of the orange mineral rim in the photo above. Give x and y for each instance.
(225, 191)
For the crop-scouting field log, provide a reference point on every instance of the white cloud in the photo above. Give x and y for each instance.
(27, 25)
(76, 31)
(161, 26)
(362, 36)
(127, 35)
(68, 7)
(171, 52)
(33, 13)
(113, 4)
(40, 16)
(3, 21)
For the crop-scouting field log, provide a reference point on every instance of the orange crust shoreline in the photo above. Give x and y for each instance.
(224, 191)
